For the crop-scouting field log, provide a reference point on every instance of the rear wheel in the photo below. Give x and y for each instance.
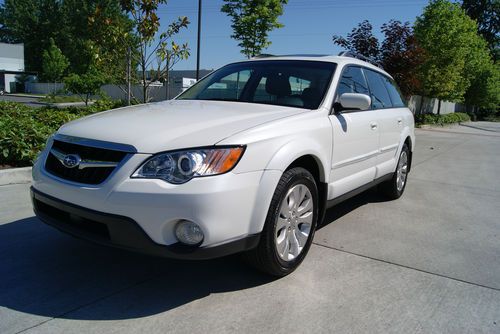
(290, 224)
(395, 187)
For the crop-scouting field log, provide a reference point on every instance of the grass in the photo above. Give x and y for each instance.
(61, 99)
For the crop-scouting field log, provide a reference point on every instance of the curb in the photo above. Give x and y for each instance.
(35, 96)
(62, 105)
(15, 175)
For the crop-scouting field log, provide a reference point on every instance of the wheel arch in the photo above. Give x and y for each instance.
(313, 165)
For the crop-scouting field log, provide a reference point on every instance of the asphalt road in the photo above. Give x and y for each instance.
(427, 263)
(22, 99)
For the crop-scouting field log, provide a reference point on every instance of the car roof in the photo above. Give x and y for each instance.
(339, 60)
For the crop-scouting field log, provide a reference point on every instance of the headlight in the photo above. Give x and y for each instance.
(181, 166)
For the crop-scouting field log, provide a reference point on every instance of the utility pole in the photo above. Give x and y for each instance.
(129, 65)
(198, 43)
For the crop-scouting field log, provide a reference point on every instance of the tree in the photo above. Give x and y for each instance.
(32, 22)
(154, 48)
(484, 91)
(487, 15)
(361, 41)
(251, 21)
(401, 56)
(54, 63)
(81, 29)
(449, 38)
(398, 54)
(85, 85)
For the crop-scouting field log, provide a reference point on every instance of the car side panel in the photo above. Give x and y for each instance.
(355, 150)
(395, 127)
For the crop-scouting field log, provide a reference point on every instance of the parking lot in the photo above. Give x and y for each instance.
(427, 263)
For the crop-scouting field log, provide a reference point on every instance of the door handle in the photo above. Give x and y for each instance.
(400, 121)
(374, 126)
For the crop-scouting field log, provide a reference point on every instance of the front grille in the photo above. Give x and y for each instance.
(90, 175)
(72, 221)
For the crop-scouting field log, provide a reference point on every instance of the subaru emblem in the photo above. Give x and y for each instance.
(71, 161)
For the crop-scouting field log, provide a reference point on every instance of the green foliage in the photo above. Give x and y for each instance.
(487, 15)
(54, 63)
(85, 85)
(452, 118)
(52, 98)
(252, 20)
(484, 91)
(85, 31)
(452, 45)
(24, 130)
(32, 22)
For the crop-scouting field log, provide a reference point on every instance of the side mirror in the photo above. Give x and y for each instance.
(354, 101)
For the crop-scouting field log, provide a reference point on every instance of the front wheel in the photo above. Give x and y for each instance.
(395, 187)
(290, 224)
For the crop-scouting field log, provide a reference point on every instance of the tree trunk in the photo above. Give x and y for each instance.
(420, 116)
(439, 107)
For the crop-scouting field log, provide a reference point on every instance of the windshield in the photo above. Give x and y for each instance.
(291, 83)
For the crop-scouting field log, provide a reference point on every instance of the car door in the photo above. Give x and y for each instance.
(355, 138)
(387, 101)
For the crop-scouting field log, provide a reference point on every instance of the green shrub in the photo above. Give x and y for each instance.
(61, 98)
(24, 130)
(456, 117)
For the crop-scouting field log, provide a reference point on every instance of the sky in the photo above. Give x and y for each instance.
(309, 26)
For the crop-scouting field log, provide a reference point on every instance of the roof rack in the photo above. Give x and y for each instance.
(312, 55)
(262, 55)
(360, 57)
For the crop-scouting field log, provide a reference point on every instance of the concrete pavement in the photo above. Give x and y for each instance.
(427, 263)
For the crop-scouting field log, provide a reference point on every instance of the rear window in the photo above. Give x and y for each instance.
(293, 83)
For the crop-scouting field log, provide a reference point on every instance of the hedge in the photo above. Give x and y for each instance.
(24, 130)
(456, 117)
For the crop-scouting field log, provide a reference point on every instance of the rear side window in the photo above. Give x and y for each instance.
(379, 94)
(394, 92)
(352, 81)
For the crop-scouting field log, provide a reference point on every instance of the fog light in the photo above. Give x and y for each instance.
(188, 233)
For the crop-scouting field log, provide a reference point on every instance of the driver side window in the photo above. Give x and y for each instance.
(352, 81)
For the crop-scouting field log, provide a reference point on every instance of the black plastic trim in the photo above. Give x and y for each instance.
(358, 191)
(123, 232)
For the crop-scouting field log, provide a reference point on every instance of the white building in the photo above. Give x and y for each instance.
(11, 65)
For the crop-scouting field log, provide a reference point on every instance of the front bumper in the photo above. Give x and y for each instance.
(123, 232)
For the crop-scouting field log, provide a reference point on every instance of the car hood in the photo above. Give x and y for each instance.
(176, 124)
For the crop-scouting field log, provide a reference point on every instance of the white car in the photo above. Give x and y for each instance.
(246, 160)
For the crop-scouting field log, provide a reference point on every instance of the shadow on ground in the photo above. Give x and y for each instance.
(47, 273)
(341, 209)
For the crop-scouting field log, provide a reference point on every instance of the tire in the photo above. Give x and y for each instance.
(395, 187)
(287, 223)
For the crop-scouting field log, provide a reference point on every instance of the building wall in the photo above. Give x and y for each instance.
(12, 57)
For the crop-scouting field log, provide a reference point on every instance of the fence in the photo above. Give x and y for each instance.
(156, 93)
(419, 104)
